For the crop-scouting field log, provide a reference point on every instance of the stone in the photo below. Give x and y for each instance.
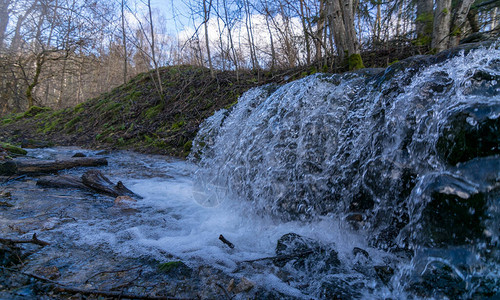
(244, 285)
(469, 133)
(124, 200)
(453, 213)
(338, 288)
(305, 253)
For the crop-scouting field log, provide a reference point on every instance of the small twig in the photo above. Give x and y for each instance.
(224, 290)
(62, 288)
(33, 276)
(121, 286)
(280, 257)
(34, 240)
(114, 271)
(228, 243)
(119, 295)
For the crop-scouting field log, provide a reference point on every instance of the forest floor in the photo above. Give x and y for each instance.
(133, 116)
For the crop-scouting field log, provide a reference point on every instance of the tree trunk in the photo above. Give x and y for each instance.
(493, 17)
(30, 166)
(458, 20)
(320, 28)
(4, 20)
(304, 30)
(424, 21)
(441, 29)
(206, 14)
(124, 38)
(341, 14)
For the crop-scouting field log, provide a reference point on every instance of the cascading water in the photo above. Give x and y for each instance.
(409, 156)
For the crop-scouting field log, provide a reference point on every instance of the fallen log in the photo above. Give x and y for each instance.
(92, 180)
(63, 181)
(98, 182)
(30, 166)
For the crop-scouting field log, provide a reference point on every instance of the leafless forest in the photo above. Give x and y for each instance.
(58, 53)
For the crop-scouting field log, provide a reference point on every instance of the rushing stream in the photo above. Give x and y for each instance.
(374, 184)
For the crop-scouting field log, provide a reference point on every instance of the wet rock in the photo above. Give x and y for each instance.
(338, 288)
(469, 133)
(244, 285)
(360, 251)
(485, 288)
(439, 280)
(124, 200)
(9, 256)
(385, 273)
(13, 150)
(79, 154)
(454, 213)
(50, 272)
(306, 254)
(8, 167)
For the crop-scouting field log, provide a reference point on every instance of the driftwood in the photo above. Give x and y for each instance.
(281, 257)
(34, 240)
(100, 183)
(29, 166)
(92, 180)
(63, 288)
(62, 181)
(225, 241)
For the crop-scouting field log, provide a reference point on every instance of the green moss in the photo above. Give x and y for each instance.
(423, 41)
(113, 106)
(187, 146)
(169, 266)
(178, 125)
(456, 31)
(355, 62)
(230, 105)
(51, 125)
(18, 116)
(70, 126)
(176, 269)
(324, 69)
(7, 121)
(148, 139)
(35, 110)
(134, 96)
(391, 63)
(13, 149)
(79, 108)
(152, 111)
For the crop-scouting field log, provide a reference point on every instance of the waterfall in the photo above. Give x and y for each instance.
(411, 154)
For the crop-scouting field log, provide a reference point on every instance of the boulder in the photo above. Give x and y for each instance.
(469, 133)
(306, 254)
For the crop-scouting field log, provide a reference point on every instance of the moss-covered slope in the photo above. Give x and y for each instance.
(133, 116)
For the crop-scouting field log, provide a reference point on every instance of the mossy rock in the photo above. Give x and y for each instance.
(13, 149)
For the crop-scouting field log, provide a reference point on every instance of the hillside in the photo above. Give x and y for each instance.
(132, 115)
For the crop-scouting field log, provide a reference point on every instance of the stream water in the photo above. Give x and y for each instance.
(364, 185)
